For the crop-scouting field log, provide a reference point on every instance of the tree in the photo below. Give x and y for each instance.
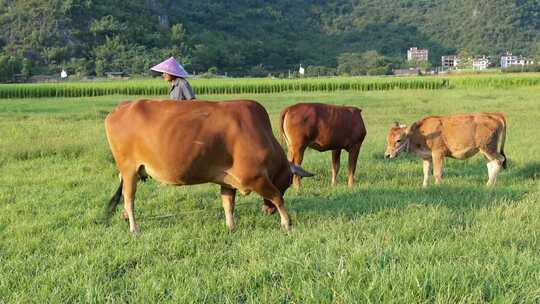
(417, 64)
(315, 71)
(536, 53)
(26, 70)
(275, 35)
(99, 68)
(350, 64)
(465, 60)
(80, 67)
(5, 73)
(367, 63)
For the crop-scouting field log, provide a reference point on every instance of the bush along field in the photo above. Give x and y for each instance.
(265, 85)
(384, 240)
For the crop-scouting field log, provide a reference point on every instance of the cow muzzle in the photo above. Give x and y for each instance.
(401, 148)
(390, 155)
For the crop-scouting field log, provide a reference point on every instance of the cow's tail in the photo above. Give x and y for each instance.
(282, 136)
(111, 207)
(503, 140)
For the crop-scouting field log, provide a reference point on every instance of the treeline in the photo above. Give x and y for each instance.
(254, 37)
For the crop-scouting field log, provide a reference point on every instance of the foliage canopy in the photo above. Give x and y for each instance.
(252, 36)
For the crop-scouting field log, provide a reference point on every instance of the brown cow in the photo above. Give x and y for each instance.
(323, 127)
(186, 143)
(455, 136)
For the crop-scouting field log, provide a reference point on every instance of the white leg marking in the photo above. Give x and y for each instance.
(493, 170)
(427, 165)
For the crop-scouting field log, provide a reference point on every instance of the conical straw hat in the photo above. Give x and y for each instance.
(170, 66)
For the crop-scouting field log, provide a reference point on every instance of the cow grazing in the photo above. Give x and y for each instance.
(186, 143)
(457, 136)
(323, 127)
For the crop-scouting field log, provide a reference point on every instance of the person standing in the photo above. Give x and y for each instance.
(174, 73)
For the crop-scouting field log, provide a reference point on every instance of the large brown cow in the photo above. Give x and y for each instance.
(186, 143)
(457, 136)
(323, 127)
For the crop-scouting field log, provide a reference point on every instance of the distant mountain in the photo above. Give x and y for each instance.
(251, 36)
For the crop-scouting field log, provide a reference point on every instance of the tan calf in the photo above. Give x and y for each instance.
(457, 136)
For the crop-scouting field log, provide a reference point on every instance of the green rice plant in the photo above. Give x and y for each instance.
(156, 87)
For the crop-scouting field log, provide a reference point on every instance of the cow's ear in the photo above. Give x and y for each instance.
(411, 128)
(395, 124)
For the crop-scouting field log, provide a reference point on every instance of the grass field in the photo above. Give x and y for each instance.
(384, 240)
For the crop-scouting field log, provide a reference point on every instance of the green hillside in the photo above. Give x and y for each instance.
(252, 37)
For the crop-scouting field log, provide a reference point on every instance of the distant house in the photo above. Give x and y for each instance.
(509, 60)
(449, 62)
(407, 72)
(117, 75)
(416, 54)
(480, 63)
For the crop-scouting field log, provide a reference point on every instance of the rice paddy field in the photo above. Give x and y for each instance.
(268, 85)
(386, 240)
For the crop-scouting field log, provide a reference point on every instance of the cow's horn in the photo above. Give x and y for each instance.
(299, 171)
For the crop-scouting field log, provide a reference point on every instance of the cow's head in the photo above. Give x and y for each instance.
(397, 140)
(283, 180)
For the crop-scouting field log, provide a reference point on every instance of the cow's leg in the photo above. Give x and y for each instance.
(264, 187)
(493, 169)
(335, 165)
(437, 167)
(129, 189)
(353, 157)
(297, 158)
(123, 214)
(227, 200)
(494, 164)
(427, 167)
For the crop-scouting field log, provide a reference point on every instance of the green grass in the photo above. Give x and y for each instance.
(385, 240)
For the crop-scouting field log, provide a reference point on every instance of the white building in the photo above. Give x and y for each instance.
(449, 62)
(416, 54)
(480, 63)
(508, 60)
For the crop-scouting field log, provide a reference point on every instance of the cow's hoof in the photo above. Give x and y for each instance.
(231, 227)
(286, 227)
(135, 230)
(268, 209)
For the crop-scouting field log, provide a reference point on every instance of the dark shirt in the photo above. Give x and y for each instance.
(181, 90)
